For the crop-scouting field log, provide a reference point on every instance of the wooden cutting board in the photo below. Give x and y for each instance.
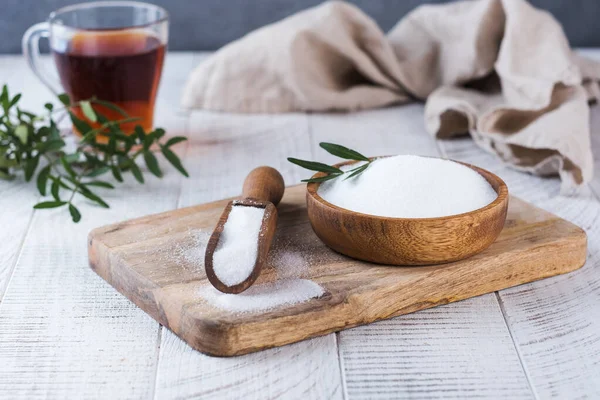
(156, 262)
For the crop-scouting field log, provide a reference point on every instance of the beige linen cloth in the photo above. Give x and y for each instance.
(500, 70)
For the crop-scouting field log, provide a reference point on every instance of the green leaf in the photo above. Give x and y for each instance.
(91, 133)
(49, 204)
(65, 99)
(91, 158)
(43, 132)
(50, 145)
(102, 184)
(15, 100)
(159, 133)
(174, 160)
(54, 132)
(322, 178)
(101, 118)
(6, 163)
(314, 166)
(119, 135)
(88, 111)
(111, 106)
(139, 131)
(357, 171)
(98, 172)
(149, 140)
(26, 138)
(67, 167)
(112, 145)
(82, 126)
(63, 185)
(90, 195)
(4, 97)
(117, 173)
(42, 179)
(342, 152)
(71, 158)
(135, 170)
(75, 214)
(55, 188)
(30, 167)
(152, 163)
(101, 147)
(22, 132)
(175, 140)
(28, 114)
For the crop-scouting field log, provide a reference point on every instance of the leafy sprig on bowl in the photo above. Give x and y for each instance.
(33, 145)
(332, 171)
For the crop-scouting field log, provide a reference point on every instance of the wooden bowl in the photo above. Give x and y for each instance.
(408, 241)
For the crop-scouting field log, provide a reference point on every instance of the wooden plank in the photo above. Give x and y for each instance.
(64, 333)
(461, 350)
(224, 150)
(129, 255)
(555, 322)
(16, 198)
(16, 205)
(307, 370)
(400, 130)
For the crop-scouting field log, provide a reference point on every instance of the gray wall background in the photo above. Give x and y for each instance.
(209, 24)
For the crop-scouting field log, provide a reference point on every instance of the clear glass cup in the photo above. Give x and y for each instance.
(111, 50)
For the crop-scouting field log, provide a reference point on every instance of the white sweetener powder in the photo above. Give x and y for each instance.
(235, 255)
(410, 187)
(289, 257)
(265, 296)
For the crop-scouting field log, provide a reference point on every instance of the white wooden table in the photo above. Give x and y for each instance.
(65, 333)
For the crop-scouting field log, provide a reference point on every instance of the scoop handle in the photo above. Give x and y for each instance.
(265, 184)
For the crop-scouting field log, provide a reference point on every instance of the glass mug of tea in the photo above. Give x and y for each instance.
(113, 51)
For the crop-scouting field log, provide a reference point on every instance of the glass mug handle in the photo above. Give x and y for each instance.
(31, 51)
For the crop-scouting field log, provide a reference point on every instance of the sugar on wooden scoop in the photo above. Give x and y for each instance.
(240, 243)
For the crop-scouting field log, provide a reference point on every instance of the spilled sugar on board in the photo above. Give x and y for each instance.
(400, 186)
(288, 290)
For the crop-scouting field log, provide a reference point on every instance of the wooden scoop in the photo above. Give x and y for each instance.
(263, 188)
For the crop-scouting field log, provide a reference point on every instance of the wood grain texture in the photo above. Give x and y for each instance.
(267, 233)
(264, 184)
(16, 205)
(356, 292)
(400, 130)
(46, 362)
(408, 241)
(456, 351)
(555, 322)
(263, 188)
(16, 198)
(308, 369)
(63, 332)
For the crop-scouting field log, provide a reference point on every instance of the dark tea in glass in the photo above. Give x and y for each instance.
(112, 51)
(121, 67)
